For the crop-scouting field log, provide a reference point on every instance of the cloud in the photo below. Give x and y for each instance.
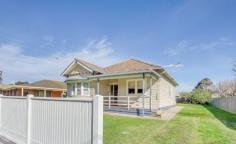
(19, 66)
(178, 65)
(185, 46)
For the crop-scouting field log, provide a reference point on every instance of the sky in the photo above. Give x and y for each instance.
(192, 39)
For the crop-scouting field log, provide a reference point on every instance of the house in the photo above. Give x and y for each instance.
(131, 84)
(48, 88)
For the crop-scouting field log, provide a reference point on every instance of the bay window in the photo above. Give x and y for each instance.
(79, 89)
(85, 88)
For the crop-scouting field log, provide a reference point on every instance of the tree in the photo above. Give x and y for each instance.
(201, 96)
(205, 84)
(21, 83)
(186, 96)
(226, 88)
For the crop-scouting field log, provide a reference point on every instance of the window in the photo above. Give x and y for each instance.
(41, 93)
(36, 93)
(71, 89)
(140, 87)
(131, 87)
(79, 89)
(48, 94)
(135, 87)
(26, 92)
(85, 88)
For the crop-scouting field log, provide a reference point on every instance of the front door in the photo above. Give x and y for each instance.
(114, 92)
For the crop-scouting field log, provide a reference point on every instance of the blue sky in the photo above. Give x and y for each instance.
(39, 38)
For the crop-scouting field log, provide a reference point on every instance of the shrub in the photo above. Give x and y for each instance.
(186, 96)
(200, 96)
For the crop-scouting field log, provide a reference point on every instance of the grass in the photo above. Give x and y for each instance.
(195, 124)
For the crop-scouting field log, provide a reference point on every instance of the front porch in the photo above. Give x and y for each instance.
(131, 94)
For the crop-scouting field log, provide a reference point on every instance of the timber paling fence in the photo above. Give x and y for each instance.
(36, 120)
(225, 103)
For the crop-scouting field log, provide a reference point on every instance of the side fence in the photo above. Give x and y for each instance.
(225, 103)
(34, 120)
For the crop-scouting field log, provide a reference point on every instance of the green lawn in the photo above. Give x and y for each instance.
(195, 124)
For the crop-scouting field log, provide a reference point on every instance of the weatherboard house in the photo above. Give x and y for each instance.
(127, 84)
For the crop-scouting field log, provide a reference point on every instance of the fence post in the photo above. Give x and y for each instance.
(97, 120)
(29, 110)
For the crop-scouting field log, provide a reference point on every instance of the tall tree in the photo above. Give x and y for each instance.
(205, 84)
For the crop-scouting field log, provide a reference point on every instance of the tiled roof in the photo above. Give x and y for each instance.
(38, 84)
(48, 84)
(5, 86)
(131, 65)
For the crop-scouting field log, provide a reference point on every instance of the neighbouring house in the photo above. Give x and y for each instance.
(43, 88)
(131, 84)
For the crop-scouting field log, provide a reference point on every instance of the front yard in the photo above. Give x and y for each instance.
(195, 124)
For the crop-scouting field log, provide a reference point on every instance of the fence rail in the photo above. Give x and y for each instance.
(35, 120)
(225, 103)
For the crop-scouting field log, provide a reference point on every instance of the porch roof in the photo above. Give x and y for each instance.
(116, 75)
(142, 73)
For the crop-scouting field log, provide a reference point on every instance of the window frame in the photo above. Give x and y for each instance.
(136, 86)
(83, 89)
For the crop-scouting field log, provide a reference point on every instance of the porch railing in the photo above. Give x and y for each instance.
(127, 102)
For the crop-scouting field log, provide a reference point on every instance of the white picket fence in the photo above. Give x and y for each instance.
(225, 103)
(38, 120)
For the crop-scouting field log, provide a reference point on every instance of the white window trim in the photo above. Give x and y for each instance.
(81, 89)
(136, 87)
(82, 86)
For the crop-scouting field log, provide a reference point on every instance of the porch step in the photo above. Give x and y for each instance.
(131, 111)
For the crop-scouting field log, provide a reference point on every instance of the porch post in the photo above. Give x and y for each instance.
(143, 93)
(22, 91)
(98, 87)
(45, 93)
(150, 93)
